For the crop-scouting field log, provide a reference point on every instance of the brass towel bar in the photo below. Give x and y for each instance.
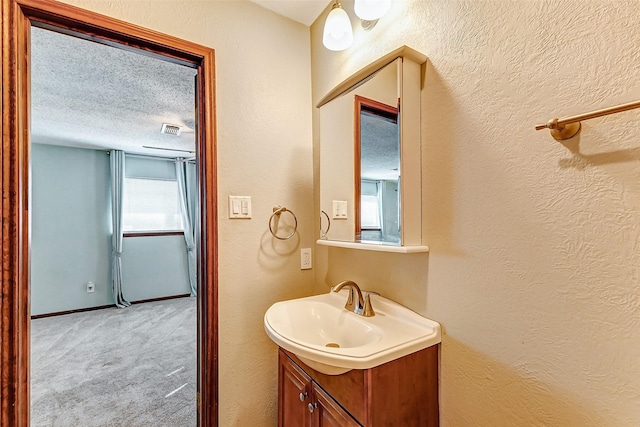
(568, 127)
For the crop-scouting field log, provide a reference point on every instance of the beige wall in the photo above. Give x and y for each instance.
(264, 151)
(534, 267)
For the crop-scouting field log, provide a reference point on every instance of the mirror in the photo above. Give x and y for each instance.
(377, 171)
(370, 179)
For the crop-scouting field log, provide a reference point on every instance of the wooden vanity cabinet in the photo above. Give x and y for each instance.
(403, 392)
(294, 394)
(328, 413)
(302, 403)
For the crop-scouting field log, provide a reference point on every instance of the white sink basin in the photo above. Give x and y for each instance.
(333, 340)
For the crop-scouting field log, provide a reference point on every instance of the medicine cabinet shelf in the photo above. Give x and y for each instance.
(374, 247)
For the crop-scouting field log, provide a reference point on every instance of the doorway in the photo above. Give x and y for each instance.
(18, 16)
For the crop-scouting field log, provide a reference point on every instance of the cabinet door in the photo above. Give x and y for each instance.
(328, 413)
(294, 394)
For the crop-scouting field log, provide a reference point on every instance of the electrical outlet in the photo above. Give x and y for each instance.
(305, 259)
(91, 287)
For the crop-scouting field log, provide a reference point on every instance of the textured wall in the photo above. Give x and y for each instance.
(263, 85)
(534, 264)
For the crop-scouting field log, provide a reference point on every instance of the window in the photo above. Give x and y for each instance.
(370, 213)
(370, 205)
(151, 205)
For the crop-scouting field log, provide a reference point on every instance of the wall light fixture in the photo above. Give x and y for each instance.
(369, 11)
(338, 34)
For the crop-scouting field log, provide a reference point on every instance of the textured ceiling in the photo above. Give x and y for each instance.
(303, 11)
(85, 94)
(379, 148)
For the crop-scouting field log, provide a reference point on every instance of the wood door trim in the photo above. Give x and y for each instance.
(17, 17)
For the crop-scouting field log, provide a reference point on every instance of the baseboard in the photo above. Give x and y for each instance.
(100, 307)
(142, 301)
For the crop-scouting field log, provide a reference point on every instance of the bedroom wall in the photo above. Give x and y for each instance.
(534, 264)
(154, 266)
(264, 150)
(71, 235)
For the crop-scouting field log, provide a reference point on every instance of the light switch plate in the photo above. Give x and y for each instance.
(339, 209)
(239, 207)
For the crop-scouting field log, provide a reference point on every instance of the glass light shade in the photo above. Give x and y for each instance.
(370, 10)
(338, 34)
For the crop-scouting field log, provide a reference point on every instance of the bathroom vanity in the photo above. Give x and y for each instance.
(337, 367)
(403, 392)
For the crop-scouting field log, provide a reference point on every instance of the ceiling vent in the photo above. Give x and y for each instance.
(171, 129)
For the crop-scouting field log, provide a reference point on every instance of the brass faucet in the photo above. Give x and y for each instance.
(356, 302)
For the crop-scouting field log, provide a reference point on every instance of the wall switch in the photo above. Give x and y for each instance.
(239, 207)
(91, 287)
(305, 259)
(339, 209)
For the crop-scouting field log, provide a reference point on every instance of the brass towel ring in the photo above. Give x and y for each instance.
(323, 233)
(277, 210)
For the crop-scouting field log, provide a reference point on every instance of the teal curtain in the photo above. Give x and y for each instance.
(117, 188)
(185, 175)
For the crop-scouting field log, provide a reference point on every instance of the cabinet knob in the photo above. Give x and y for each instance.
(312, 407)
(303, 396)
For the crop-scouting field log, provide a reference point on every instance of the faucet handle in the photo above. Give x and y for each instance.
(368, 309)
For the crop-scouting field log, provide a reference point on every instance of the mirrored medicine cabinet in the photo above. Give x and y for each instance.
(370, 167)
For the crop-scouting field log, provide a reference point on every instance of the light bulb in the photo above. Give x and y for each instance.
(338, 34)
(370, 10)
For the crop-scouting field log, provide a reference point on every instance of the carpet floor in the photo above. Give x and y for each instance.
(128, 367)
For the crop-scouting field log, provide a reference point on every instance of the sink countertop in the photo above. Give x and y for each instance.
(305, 327)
